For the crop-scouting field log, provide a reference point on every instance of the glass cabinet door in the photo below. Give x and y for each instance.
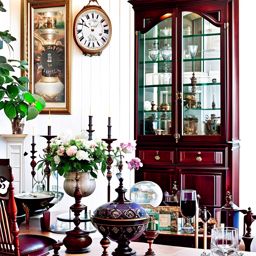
(155, 80)
(201, 77)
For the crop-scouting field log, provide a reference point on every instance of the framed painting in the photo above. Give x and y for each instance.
(46, 32)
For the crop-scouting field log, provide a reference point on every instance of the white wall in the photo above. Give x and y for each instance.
(247, 103)
(114, 71)
(96, 82)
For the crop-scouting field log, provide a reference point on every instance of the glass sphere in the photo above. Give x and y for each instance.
(147, 193)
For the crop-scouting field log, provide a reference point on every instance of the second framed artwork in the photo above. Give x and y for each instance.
(46, 31)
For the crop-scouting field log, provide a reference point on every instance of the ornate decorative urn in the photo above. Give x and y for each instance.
(121, 221)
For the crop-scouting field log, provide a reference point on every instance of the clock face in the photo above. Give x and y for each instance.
(92, 30)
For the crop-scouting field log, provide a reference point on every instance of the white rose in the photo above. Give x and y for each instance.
(82, 155)
(56, 159)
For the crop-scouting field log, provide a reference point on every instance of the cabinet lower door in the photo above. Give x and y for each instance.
(209, 184)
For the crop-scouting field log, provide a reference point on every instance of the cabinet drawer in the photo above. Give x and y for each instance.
(201, 157)
(156, 156)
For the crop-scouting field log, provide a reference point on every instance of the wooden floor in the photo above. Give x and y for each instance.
(96, 249)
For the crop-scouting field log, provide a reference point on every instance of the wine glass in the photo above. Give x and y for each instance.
(188, 204)
(224, 241)
(192, 50)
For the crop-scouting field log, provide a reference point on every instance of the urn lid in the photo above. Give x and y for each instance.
(121, 208)
(116, 210)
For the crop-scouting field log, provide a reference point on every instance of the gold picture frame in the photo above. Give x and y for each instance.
(168, 218)
(45, 33)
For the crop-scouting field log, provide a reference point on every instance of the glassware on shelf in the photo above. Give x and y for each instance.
(224, 241)
(188, 205)
(153, 53)
(212, 125)
(187, 30)
(166, 52)
(192, 50)
(166, 31)
(190, 125)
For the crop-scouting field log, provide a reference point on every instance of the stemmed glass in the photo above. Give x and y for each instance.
(224, 241)
(193, 51)
(188, 205)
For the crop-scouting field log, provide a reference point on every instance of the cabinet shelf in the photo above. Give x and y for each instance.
(202, 84)
(184, 36)
(201, 109)
(201, 35)
(155, 61)
(156, 111)
(156, 85)
(201, 59)
(156, 38)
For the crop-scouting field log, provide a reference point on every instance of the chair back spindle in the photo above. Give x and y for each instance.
(9, 242)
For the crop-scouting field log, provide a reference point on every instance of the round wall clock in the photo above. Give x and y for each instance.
(92, 29)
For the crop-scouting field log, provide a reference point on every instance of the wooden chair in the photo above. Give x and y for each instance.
(11, 243)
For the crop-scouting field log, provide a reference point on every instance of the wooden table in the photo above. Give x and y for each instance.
(96, 249)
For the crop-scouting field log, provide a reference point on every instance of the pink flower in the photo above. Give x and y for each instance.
(71, 151)
(127, 147)
(61, 151)
(135, 163)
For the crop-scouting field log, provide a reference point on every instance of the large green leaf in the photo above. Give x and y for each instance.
(6, 66)
(10, 110)
(23, 107)
(7, 37)
(12, 91)
(32, 113)
(3, 59)
(2, 80)
(8, 79)
(23, 80)
(2, 9)
(4, 72)
(2, 93)
(28, 97)
(40, 102)
(2, 104)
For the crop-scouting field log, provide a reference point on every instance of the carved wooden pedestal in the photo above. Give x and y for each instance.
(77, 240)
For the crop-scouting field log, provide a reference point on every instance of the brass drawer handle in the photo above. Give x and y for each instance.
(199, 157)
(157, 157)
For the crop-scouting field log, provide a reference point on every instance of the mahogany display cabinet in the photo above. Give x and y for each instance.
(186, 96)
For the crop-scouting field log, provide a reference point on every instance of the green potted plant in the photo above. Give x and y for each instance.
(16, 100)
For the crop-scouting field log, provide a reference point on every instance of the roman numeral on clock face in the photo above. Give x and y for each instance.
(81, 38)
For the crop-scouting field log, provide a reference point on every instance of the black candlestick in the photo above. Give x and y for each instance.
(109, 127)
(90, 130)
(47, 170)
(33, 157)
(109, 163)
(49, 130)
